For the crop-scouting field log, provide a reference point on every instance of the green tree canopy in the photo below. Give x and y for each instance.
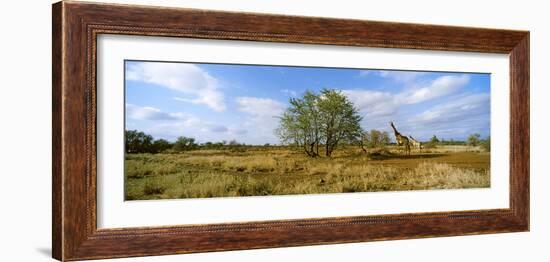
(161, 145)
(184, 144)
(300, 125)
(323, 119)
(473, 139)
(375, 138)
(138, 142)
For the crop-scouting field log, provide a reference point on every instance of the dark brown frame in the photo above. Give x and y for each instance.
(76, 26)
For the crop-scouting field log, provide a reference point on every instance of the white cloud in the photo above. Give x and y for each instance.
(186, 78)
(420, 91)
(372, 103)
(289, 92)
(151, 113)
(377, 104)
(364, 72)
(262, 120)
(451, 112)
(200, 130)
(401, 76)
(439, 87)
(378, 108)
(238, 131)
(260, 107)
(218, 129)
(456, 119)
(172, 125)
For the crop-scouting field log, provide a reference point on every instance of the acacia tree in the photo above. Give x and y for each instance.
(299, 124)
(376, 138)
(473, 140)
(161, 145)
(324, 119)
(184, 143)
(339, 119)
(138, 142)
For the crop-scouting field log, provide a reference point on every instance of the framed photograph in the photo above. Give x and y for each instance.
(183, 130)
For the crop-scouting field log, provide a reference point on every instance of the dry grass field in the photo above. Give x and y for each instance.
(270, 170)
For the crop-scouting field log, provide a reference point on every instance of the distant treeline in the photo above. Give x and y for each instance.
(472, 140)
(140, 142)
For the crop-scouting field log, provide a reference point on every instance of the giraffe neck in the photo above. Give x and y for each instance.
(397, 134)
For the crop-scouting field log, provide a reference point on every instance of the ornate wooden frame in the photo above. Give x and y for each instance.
(76, 26)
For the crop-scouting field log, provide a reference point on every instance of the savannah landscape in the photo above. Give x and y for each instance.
(280, 170)
(324, 150)
(320, 140)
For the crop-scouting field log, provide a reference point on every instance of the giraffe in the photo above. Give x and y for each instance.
(401, 140)
(415, 143)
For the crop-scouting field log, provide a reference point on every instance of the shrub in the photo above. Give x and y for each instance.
(473, 140)
(153, 188)
(486, 144)
(184, 144)
(429, 145)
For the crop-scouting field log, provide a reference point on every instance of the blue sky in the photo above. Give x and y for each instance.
(215, 102)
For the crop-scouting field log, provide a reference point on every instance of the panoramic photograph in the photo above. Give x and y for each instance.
(203, 130)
